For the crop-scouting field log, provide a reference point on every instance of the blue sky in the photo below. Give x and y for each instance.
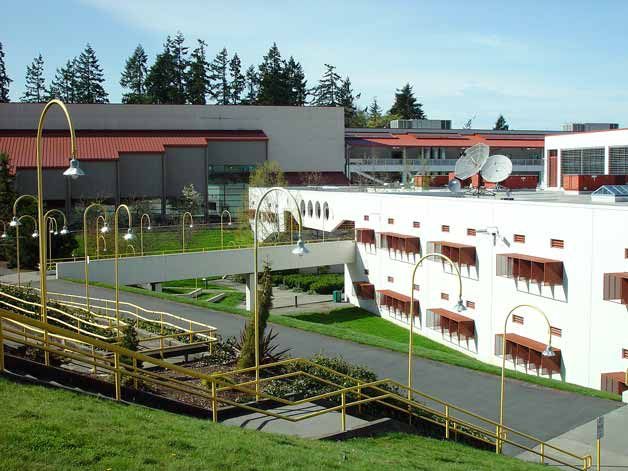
(538, 63)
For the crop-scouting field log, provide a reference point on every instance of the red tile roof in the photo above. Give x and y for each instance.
(107, 145)
(449, 140)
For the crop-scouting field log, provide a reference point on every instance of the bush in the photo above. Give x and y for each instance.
(321, 284)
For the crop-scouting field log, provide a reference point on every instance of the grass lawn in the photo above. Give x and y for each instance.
(357, 325)
(50, 429)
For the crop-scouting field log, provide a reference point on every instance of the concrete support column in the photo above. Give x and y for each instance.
(607, 161)
(156, 287)
(404, 170)
(250, 283)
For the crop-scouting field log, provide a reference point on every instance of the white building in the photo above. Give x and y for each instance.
(560, 253)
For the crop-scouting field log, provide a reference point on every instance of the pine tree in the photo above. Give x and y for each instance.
(238, 82)
(198, 85)
(90, 78)
(501, 124)
(273, 87)
(346, 99)
(374, 110)
(35, 83)
(7, 188)
(5, 81)
(252, 86)
(160, 82)
(406, 105)
(181, 64)
(297, 85)
(328, 88)
(64, 85)
(134, 77)
(221, 91)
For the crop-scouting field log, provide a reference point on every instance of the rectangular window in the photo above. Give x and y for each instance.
(618, 160)
(557, 243)
(366, 271)
(519, 238)
(366, 217)
(471, 304)
(444, 296)
(625, 253)
(444, 228)
(556, 332)
(517, 319)
(416, 224)
(582, 161)
(391, 279)
(391, 220)
(471, 232)
(624, 353)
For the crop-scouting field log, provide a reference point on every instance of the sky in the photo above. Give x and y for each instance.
(540, 64)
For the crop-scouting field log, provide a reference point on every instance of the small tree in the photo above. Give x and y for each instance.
(265, 303)
(406, 104)
(268, 174)
(190, 198)
(501, 124)
(130, 340)
(7, 188)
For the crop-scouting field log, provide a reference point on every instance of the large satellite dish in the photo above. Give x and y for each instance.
(496, 169)
(471, 161)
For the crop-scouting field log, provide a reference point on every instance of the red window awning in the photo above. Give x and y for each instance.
(365, 236)
(451, 322)
(616, 287)
(364, 290)
(528, 267)
(616, 382)
(461, 254)
(401, 242)
(529, 352)
(397, 301)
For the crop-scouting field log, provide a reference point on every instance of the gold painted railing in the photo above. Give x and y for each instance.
(352, 394)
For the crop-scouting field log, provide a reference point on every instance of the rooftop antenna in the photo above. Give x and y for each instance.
(476, 159)
(469, 122)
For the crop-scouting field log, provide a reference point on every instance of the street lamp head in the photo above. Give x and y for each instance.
(104, 229)
(128, 235)
(55, 233)
(149, 228)
(460, 307)
(548, 352)
(191, 226)
(300, 249)
(74, 170)
(229, 223)
(14, 222)
(4, 235)
(64, 230)
(35, 234)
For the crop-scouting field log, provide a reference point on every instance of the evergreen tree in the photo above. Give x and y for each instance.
(219, 76)
(64, 85)
(198, 85)
(273, 87)
(134, 77)
(346, 99)
(328, 88)
(252, 86)
(181, 64)
(35, 83)
(160, 82)
(5, 81)
(501, 124)
(7, 188)
(297, 85)
(90, 78)
(374, 110)
(238, 82)
(406, 105)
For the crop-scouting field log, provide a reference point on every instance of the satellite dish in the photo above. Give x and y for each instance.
(455, 186)
(496, 169)
(471, 161)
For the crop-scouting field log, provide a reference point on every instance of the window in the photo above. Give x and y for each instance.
(557, 243)
(625, 253)
(212, 206)
(326, 211)
(618, 160)
(517, 319)
(310, 209)
(444, 296)
(624, 353)
(318, 210)
(366, 271)
(556, 332)
(391, 279)
(417, 224)
(444, 228)
(582, 161)
(519, 238)
(471, 304)
(391, 221)
(366, 217)
(416, 287)
(471, 232)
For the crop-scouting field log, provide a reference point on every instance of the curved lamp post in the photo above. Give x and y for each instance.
(52, 222)
(187, 213)
(546, 353)
(459, 306)
(85, 247)
(299, 250)
(129, 246)
(222, 239)
(104, 242)
(148, 228)
(16, 224)
(127, 237)
(4, 234)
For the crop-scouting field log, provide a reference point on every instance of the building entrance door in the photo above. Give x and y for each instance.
(553, 169)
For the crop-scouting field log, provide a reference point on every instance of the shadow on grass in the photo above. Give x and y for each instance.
(337, 316)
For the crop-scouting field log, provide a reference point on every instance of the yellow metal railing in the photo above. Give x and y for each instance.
(349, 395)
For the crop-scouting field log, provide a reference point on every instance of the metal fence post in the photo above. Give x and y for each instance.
(542, 452)
(447, 422)
(1, 347)
(214, 402)
(343, 418)
(116, 375)
(497, 444)
(359, 397)
(135, 383)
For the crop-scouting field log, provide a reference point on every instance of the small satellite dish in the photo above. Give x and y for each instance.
(496, 169)
(455, 186)
(471, 161)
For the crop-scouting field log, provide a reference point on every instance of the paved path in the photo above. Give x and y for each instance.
(543, 412)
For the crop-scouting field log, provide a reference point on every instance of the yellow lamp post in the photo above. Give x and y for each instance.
(148, 228)
(187, 213)
(222, 239)
(100, 232)
(458, 307)
(4, 234)
(53, 227)
(546, 353)
(127, 237)
(299, 250)
(129, 246)
(86, 248)
(104, 242)
(16, 224)
(73, 171)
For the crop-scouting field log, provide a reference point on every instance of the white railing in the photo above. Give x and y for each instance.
(433, 162)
